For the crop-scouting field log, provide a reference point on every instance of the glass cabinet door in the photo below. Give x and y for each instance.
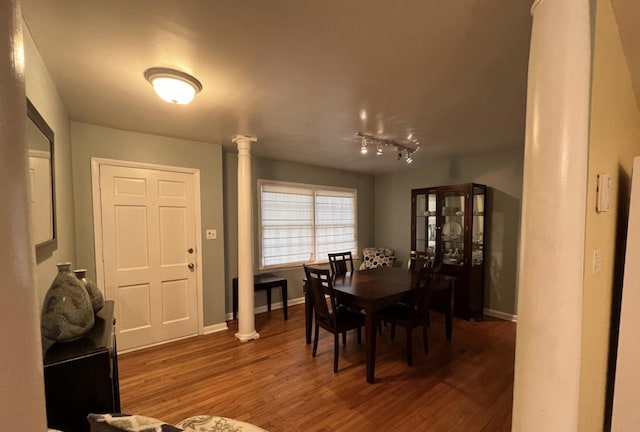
(452, 204)
(425, 217)
(477, 235)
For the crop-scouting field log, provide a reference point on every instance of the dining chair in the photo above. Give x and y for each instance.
(418, 260)
(341, 263)
(334, 319)
(426, 286)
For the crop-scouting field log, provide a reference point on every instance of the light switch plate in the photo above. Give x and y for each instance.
(211, 234)
(604, 188)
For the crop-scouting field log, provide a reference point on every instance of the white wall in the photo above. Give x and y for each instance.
(614, 139)
(44, 96)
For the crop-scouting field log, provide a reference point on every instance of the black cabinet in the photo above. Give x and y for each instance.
(448, 225)
(81, 376)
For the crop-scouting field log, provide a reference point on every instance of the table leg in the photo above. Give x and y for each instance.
(235, 297)
(370, 344)
(449, 315)
(308, 313)
(269, 299)
(285, 300)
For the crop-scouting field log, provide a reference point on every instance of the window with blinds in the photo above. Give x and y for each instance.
(303, 223)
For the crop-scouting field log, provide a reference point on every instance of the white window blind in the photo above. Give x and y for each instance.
(303, 223)
(335, 222)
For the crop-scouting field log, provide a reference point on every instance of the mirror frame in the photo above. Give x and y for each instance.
(43, 127)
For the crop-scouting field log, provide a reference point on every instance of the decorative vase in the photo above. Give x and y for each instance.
(67, 313)
(97, 300)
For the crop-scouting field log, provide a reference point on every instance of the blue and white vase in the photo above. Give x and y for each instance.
(67, 313)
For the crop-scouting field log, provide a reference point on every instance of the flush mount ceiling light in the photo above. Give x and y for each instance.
(403, 150)
(172, 85)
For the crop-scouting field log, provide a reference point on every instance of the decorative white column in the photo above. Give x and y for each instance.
(551, 258)
(246, 314)
(22, 405)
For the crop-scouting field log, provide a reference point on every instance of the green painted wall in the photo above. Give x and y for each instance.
(502, 173)
(95, 141)
(267, 169)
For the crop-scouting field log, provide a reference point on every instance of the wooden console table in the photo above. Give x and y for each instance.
(264, 281)
(81, 376)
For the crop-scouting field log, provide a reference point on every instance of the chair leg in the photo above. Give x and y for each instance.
(381, 324)
(344, 338)
(336, 352)
(425, 340)
(393, 331)
(409, 346)
(315, 341)
(359, 335)
(448, 325)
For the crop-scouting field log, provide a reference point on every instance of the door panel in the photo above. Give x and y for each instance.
(175, 301)
(134, 304)
(131, 238)
(173, 240)
(148, 219)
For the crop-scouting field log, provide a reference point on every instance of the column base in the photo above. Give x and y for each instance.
(247, 337)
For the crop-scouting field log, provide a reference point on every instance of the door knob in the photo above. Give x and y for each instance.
(190, 250)
(191, 266)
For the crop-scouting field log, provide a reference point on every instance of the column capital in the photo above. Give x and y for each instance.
(243, 139)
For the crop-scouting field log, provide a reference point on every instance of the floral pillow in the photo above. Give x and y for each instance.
(206, 423)
(128, 423)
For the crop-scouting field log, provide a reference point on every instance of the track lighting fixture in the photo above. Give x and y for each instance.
(363, 146)
(404, 150)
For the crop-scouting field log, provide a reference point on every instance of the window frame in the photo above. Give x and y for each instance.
(314, 188)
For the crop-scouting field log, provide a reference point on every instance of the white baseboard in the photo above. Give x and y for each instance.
(500, 315)
(274, 306)
(215, 328)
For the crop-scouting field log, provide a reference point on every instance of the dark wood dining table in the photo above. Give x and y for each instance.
(369, 290)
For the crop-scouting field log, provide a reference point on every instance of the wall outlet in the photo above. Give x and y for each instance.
(597, 258)
(211, 234)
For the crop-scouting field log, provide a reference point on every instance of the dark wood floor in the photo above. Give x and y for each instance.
(274, 382)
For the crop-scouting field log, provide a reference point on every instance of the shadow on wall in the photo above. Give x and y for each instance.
(622, 223)
(503, 227)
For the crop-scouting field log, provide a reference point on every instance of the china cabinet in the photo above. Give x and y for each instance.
(448, 225)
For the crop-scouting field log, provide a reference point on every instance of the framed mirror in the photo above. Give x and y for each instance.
(40, 144)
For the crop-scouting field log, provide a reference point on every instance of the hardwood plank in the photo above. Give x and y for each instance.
(275, 383)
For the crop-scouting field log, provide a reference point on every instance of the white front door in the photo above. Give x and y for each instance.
(149, 253)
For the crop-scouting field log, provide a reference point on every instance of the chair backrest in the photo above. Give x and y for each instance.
(423, 283)
(341, 262)
(420, 260)
(319, 284)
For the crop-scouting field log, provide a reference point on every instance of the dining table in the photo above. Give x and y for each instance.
(368, 290)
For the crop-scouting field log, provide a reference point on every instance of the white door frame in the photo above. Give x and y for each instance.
(96, 163)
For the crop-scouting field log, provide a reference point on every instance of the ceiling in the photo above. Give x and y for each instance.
(302, 76)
